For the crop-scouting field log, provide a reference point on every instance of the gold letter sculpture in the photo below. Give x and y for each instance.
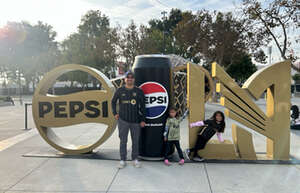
(83, 107)
(94, 106)
(275, 123)
(196, 100)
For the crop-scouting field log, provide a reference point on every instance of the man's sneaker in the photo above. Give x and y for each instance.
(167, 163)
(136, 163)
(122, 164)
(187, 154)
(198, 159)
(181, 162)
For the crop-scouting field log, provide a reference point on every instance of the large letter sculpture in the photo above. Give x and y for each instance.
(196, 99)
(83, 107)
(94, 106)
(274, 124)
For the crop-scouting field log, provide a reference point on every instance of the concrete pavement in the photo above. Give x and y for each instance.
(12, 119)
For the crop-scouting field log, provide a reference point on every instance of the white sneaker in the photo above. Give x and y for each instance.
(136, 163)
(198, 159)
(122, 164)
(187, 154)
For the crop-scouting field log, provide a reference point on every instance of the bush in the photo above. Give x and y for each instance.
(296, 77)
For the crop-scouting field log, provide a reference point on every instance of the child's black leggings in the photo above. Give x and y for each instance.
(200, 144)
(169, 145)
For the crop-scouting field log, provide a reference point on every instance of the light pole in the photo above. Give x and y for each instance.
(164, 18)
(270, 54)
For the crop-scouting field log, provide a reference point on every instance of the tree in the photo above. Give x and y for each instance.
(130, 43)
(188, 36)
(214, 36)
(143, 40)
(27, 51)
(241, 68)
(296, 77)
(274, 20)
(93, 45)
(154, 42)
(45, 53)
(168, 24)
(94, 24)
(164, 28)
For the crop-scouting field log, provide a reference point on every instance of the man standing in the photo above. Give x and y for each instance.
(131, 116)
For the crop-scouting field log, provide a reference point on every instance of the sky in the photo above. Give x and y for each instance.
(65, 15)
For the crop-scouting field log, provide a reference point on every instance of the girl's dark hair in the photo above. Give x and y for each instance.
(222, 126)
(174, 109)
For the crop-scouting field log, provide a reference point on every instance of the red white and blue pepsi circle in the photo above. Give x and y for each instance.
(157, 99)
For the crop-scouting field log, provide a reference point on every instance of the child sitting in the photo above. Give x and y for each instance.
(214, 125)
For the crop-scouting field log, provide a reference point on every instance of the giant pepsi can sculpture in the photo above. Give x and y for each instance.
(153, 76)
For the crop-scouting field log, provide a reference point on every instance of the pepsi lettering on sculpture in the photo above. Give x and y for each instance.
(156, 99)
(59, 109)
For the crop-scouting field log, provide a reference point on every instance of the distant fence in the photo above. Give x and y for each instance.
(57, 91)
(295, 89)
(69, 90)
(15, 91)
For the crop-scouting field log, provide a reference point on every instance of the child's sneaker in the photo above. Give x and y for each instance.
(136, 163)
(198, 159)
(167, 162)
(122, 164)
(187, 154)
(181, 162)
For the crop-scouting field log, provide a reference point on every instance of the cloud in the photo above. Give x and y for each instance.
(143, 11)
(65, 15)
(137, 10)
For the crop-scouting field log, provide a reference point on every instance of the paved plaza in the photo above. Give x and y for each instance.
(21, 173)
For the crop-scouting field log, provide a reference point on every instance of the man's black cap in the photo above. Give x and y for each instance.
(129, 73)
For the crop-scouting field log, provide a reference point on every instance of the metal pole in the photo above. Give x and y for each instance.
(20, 87)
(26, 116)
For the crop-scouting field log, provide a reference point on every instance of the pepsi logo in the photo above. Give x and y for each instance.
(157, 99)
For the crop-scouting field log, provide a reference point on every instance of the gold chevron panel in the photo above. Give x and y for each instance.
(195, 93)
(219, 73)
(244, 143)
(217, 150)
(237, 101)
(243, 114)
